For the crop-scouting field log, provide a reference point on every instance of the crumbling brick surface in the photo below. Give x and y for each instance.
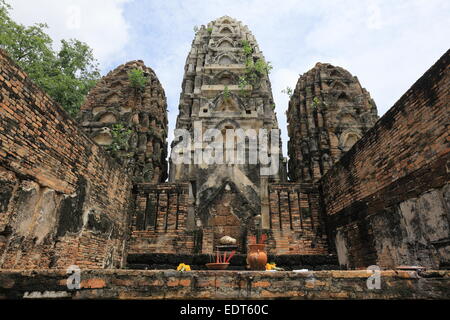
(387, 199)
(205, 285)
(160, 221)
(115, 101)
(328, 112)
(296, 223)
(158, 230)
(63, 200)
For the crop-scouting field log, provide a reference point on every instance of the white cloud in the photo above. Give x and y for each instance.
(388, 45)
(99, 23)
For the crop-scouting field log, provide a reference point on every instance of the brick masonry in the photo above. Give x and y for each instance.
(387, 199)
(328, 112)
(227, 196)
(160, 221)
(292, 231)
(63, 201)
(204, 285)
(115, 102)
(296, 222)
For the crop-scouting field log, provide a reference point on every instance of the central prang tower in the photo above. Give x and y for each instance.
(226, 87)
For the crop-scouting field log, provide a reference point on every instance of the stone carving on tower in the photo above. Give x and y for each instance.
(129, 122)
(216, 95)
(328, 112)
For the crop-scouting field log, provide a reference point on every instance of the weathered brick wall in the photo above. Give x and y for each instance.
(155, 228)
(388, 198)
(296, 225)
(205, 285)
(159, 223)
(63, 201)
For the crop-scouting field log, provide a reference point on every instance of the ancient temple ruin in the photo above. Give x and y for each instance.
(328, 112)
(213, 97)
(97, 192)
(204, 202)
(114, 108)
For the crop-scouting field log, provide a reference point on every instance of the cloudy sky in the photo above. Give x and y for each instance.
(387, 44)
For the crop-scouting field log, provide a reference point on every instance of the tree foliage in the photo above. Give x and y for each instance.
(66, 74)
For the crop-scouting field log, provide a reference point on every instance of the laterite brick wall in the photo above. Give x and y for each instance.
(63, 201)
(214, 285)
(159, 223)
(157, 229)
(296, 225)
(388, 198)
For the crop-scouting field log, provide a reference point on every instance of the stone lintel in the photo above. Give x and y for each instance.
(219, 67)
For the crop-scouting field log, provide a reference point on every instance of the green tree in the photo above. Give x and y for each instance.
(66, 74)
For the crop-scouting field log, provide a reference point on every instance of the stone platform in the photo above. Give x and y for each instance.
(155, 261)
(168, 284)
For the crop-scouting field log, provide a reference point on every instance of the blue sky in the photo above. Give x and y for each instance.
(387, 44)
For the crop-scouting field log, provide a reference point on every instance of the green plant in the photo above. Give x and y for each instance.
(288, 91)
(210, 30)
(262, 67)
(137, 79)
(120, 135)
(226, 93)
(243, 82)
(254, 70)
(248, 50)
(316, 103)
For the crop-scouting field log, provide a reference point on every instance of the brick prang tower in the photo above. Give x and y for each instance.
(328, 113)
(130, 122)
(214, 97)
